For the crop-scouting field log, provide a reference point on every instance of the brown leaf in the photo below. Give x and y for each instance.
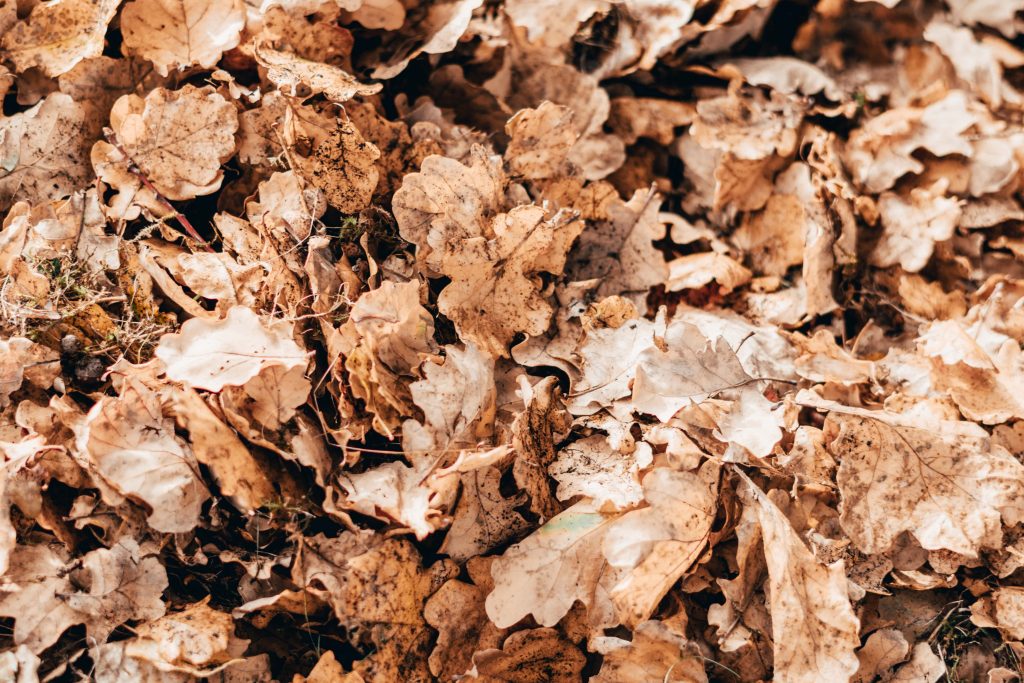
(536, 655)
(288, 72)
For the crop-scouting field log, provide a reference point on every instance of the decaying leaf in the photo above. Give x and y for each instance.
(58, 35)
(175, 34)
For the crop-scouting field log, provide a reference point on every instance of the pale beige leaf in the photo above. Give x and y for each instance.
(924, 667)
(175, 34)
(32, 594)
(188, 163)
(46, 150)
(814, 629)
(884, 649)
(946, 483)
(135, 450)
(58, 35)
(656, 653)
(288, 72)
(912, 226)
(484, 518)
(654, 546)
(546, 572)
(591, 467)
(211, 355)
(540, 141)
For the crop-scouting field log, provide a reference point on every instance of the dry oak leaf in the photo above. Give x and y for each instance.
(32, 593)
(213, 354)
(398, 492)
(448, 201)
(177, 138)
(495, 283)
(458, 404)
(814, 629)
(657, 653)
(484, 518)
(591, 467)
(535, 431)
(130, 445)
(945, 482)
(884, 649)
(456, 611)
(538, 655)
(344, 167)
(45, 151)
(384, 340)
(175, 34)
(924, 667)
(912, 227)
(654, 546)
(540, 141)
(239, 476)
(608, 359)
(551, 568)
(686, 368)
(442, 26)
(620, 250)
(19, 666)
(125, 583)
(58, 35)
(23, 360)
(288, 72)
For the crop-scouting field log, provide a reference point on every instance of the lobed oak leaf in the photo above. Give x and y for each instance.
(442, 27)
(176, 34)
(288, 72)
(58, 35)
(814, 629)
(610, 477)
(546, 572)
(46, 151)
(883, 649)
(186, 164)
(654, 546)
(912, 227)
(211, 355)
(32, 594)
(687, 368)
(484, 518)
(397, 491)
(538, 655)
(133, 448)
(448, 201)
(344, 167)
(540, 141)
(495, 283)
(946, 482)
(924, 667)
(656, 653)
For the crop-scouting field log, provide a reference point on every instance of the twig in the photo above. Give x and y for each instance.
(137, 172)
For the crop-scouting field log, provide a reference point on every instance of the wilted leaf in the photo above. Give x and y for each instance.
(175, 34)
(58, 35)
(288, 72)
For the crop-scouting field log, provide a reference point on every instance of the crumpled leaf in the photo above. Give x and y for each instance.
(133, 448)
(532, 656)
(288, 72)
(494, 290)
(591, 467)
(656, 653)
(212, 355)
(814, 628)
(175, 34)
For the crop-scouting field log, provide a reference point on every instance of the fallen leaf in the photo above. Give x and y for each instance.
(176, 34)
(58, 35)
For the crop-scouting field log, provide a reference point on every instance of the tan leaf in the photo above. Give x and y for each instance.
(686, 370)
(495, 283)
(814, 628)
(551, 568)
(884, 649)
(344, 167)
(288, 72)
(698, 270)
(58, 35)
(211, 355)
(654, 546)
(23, 360)
(384, 340)
(535, 431)
(924, 667)
(129, 443)
(442, 26)
(175, 34)
(187, 164)
(19, 666)
(397, 491)
(912, 227)
(125, 583)
(540, 141)
(591, 467)
(239, 476)
(448, 200)
(620, 250)
(608, 359)
(456, 610)
(656, 653)
(947, 483)
(540, 655)
(46, 150)
(484, 518)
(32, 595)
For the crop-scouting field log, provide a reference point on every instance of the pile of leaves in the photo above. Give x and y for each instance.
(627, 341)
